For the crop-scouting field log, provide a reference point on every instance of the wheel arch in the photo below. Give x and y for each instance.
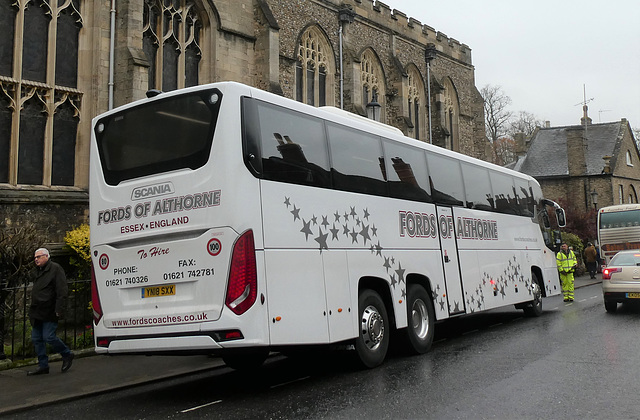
(537, 271)
(381, 287)
(422, 280)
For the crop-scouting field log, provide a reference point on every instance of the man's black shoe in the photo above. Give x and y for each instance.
(67, 362)
(40, 371)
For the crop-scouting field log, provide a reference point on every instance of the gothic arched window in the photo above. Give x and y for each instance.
(633, 196)
(451, 114)
(171, 41)
(372, 80)
(416, 104)
(315, 69)
(39, 101)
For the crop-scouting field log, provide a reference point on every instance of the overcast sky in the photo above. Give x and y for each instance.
(542, 52)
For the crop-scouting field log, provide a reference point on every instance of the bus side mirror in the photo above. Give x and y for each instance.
(561, 218)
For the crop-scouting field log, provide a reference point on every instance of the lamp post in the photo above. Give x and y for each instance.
(429, 54)
(594, 199)
(373, 110)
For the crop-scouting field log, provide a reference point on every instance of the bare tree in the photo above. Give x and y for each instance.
(505, 150)
(525, 122)
(495, 111)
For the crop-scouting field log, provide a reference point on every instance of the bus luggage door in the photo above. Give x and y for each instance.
(450, 264)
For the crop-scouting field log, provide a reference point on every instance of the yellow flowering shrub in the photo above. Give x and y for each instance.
(78, 241)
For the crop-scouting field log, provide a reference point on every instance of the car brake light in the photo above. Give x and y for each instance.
(243, 283)
(95, 298)
(606, 272)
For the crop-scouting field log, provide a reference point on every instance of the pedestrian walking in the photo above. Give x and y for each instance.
(48, 299)
(567, 263)
(591, 259)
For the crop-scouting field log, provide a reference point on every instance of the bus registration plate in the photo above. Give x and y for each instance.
(155, 291)
(633, 295)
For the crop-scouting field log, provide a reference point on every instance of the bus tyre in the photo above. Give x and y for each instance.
(610, 306)
(421, 318)
(246, 361)
(373, 339)
(534, 307)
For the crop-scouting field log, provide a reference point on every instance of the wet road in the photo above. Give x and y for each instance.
(575, 361)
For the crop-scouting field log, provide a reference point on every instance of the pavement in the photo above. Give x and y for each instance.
(94, 374)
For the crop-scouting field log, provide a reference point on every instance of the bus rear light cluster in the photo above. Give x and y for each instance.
(103, 342)
(227, 335)
(242, 289)
(606, 272)
(95, 298)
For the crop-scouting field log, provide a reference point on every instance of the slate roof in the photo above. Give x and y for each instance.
(547, 154)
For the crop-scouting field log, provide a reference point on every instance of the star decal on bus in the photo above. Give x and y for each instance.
(351, 226)
(508, 281)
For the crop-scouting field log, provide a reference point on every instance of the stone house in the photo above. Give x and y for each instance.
(64, 62)
(585, 162)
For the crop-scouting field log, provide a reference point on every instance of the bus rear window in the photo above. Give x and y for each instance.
(159, 136)
(620, 219)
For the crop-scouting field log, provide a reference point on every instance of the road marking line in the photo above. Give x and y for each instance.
(201, 406)
(290, 382)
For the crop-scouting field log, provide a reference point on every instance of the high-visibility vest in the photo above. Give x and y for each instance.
(566, 261)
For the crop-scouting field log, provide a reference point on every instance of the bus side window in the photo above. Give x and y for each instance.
(477, 187)
(356, 163)
(406, 172)
(524, 197)
(504, 193)
(445, 180)
(251, 136)
(292, 147)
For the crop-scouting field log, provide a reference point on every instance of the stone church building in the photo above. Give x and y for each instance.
(64, 62)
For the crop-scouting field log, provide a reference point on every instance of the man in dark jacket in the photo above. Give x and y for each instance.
(591, 259)
(48, 298)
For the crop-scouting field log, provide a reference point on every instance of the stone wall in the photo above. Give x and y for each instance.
(253, 42)
(53, 213)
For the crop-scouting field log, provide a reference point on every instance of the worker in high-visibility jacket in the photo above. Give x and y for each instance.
(567, 264)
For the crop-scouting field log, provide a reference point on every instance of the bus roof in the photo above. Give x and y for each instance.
(335, 115)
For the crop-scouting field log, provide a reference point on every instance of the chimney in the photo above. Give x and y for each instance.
(585, 120)
(547, 124)
(521, 147)
(607, 165)
(576, 151)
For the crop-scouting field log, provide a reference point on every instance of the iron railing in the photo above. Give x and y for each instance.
(75, 329)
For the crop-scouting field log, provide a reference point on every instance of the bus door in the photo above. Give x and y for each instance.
(450, 263)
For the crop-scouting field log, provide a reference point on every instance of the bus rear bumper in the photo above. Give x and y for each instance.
(194, 343)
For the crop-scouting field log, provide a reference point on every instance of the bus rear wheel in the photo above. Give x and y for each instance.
(372, 342)
(421, 317)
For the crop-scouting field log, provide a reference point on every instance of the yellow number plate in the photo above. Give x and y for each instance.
(633, 295)
(155, 291)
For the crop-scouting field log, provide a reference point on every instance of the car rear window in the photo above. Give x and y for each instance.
(625, 259)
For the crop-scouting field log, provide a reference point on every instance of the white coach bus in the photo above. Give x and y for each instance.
(618, 229)
(228, 220)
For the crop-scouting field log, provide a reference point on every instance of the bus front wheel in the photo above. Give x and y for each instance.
(373, 338)
(421, 317)
(534, 307)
